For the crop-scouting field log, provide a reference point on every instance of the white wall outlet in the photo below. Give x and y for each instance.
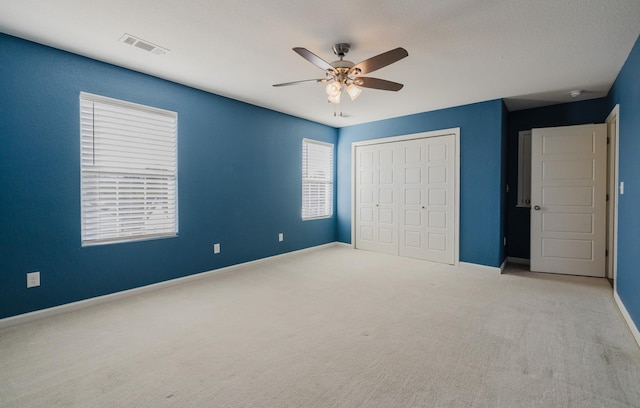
(281, 237)
(216, 248)
(621, 187)
(33, 279)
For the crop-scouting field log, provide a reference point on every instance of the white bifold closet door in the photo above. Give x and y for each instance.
(376, 210)
(405, 198)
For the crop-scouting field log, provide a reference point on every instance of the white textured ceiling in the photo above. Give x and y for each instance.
(531, 52)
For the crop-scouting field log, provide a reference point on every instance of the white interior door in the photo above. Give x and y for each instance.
(426, 198)
(568, 200)
(376, 221)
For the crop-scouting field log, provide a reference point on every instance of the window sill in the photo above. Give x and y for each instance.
(317, 218)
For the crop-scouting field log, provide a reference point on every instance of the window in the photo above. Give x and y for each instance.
(317, 179)
(128, 158)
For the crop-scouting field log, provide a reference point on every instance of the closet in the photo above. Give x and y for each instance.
(406, 196)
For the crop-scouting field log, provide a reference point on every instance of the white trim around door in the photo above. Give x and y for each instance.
(613, 132)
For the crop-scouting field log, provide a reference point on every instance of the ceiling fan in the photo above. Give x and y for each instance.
(343, 74)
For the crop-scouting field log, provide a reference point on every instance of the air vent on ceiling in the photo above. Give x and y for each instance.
(142, 44)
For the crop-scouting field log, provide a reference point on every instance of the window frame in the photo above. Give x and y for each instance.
(327, 180)
(133, 183)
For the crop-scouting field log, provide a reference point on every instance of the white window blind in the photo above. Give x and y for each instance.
(128, 171)
(317, 179)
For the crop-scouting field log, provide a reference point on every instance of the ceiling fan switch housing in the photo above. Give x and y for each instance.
(341, 49)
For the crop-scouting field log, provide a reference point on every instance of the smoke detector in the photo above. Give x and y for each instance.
(143, 44)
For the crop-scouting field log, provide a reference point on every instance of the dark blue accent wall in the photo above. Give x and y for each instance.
(482, 172)
(567, 114)
(239, 180)
(626, 93)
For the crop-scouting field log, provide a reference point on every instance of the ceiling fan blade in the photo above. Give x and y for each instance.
(313, 58)
(299, 82)
(375, 83)
(380, 61)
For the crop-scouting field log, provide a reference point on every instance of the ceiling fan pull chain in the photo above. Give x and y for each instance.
(335, 108)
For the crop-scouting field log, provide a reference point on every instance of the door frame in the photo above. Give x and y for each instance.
(612, 190)
(422, 135)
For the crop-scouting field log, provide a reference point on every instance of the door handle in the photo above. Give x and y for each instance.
(536, 207)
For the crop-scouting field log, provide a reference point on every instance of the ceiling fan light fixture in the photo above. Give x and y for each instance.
(333, 89)
(353, 91)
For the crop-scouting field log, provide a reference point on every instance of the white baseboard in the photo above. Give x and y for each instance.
(345, 245)
(627, 318)
(521, 261)
(81, 304)
(483, 267)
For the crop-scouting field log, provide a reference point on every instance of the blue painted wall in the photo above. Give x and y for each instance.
(239, 181)
(482, 171)
(626, 92)
(567, 114)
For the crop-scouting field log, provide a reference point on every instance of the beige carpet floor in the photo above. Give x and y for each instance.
(334, 328)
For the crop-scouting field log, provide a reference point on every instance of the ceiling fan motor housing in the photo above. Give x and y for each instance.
(341, 67)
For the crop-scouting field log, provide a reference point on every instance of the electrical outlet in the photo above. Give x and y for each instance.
(33, 279)
(216, 248)
(280, 237)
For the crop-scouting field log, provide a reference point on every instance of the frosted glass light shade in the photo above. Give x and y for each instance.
(333, 89)
(353, 91)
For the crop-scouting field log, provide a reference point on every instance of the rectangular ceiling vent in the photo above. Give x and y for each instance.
(142, 44)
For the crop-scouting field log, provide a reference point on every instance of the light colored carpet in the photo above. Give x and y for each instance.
(334, 328)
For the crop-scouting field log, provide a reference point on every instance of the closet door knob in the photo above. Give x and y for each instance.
(536, 207)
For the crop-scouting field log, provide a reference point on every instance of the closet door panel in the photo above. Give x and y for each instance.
(440, 204)
(411, 183)
(376, 214)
